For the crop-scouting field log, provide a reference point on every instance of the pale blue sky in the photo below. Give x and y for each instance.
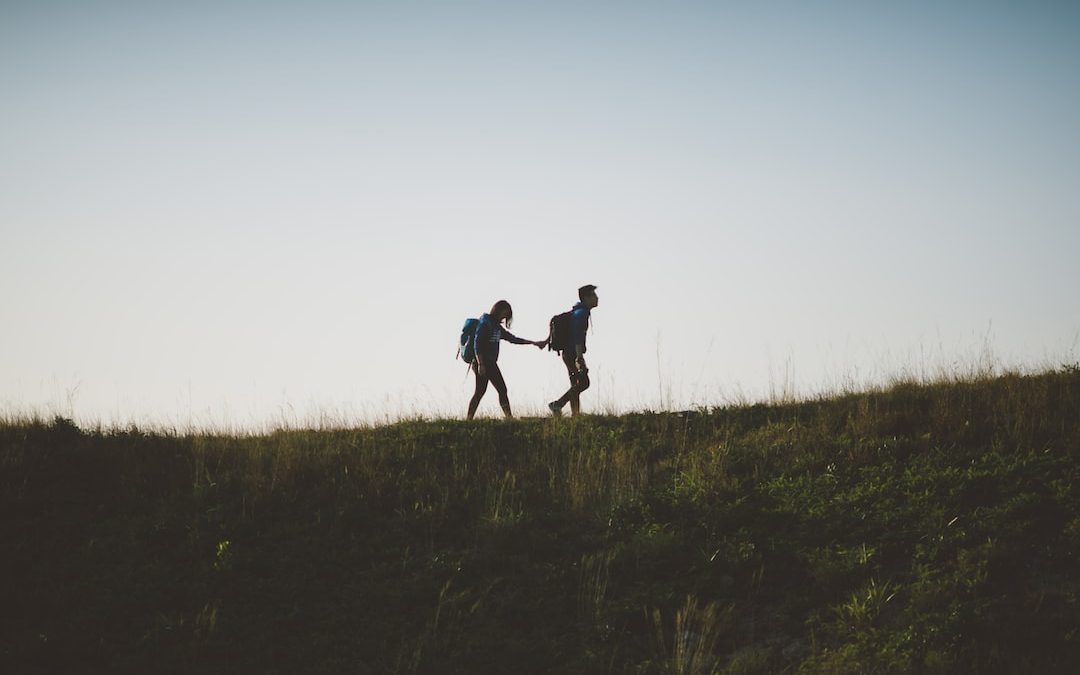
(243, 212)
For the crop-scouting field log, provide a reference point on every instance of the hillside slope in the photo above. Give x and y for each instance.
(925, 528)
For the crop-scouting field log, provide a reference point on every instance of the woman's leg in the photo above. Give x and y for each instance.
(481, 387)
(496, 377)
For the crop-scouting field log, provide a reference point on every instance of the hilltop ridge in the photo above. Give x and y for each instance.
(919, 528)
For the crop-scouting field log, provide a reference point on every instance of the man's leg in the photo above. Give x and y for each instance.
(580, 382)
(568, 361)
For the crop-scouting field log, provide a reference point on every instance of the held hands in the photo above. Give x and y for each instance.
(541, 343)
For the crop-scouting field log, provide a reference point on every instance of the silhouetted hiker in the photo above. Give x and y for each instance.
(489, 332)
(568, 338)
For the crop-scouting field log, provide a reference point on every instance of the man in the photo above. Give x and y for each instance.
(574, 357)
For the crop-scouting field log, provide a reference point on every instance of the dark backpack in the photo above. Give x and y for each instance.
(467, 345)
(560, 332)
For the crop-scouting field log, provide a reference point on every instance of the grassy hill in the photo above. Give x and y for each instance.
(923, 528)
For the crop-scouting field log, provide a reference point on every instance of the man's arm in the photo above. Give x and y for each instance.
(579, 359)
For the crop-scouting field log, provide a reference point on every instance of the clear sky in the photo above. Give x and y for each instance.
(247, 213)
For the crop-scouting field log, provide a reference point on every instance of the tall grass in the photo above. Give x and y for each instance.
(916, 527)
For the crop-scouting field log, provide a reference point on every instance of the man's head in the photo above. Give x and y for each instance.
(587, 295)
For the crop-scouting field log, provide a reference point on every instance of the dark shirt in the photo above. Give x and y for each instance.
(579, 325)
(488, 335)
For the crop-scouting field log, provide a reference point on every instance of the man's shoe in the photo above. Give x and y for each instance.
(555, 409)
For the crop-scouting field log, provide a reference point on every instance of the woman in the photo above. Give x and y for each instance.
(488, 335)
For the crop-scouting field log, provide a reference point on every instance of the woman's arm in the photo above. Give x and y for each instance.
(513, 339)
(480, 344)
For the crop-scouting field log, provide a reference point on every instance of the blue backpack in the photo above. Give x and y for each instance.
(467, 345)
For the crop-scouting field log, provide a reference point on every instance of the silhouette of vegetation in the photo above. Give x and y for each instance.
(927, 527)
